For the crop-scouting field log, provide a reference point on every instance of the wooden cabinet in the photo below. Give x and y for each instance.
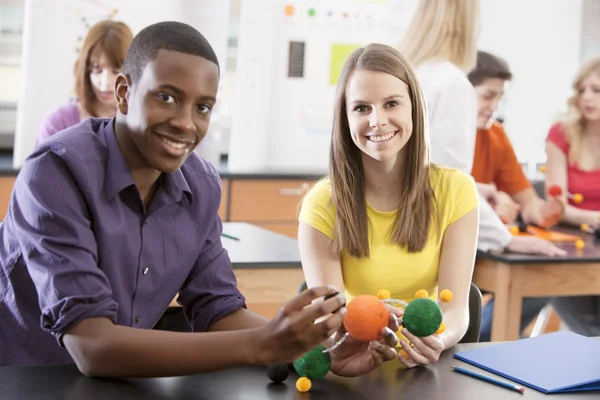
(224, 200)
(266, 200)
(6, 186)
(271, 203)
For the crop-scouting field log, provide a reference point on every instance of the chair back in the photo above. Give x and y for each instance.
(475, 306)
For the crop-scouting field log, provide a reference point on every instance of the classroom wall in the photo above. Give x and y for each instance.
(289, 123)
(541, 41)
(50, 41)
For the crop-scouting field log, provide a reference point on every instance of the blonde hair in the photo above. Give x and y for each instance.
(445, 30)
(574, 123)
(113, 38)
(417, 207)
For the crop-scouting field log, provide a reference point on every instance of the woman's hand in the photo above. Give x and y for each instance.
(353, 357)
(426, 350)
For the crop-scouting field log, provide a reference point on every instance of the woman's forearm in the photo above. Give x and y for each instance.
(457, 323)
(577, 216)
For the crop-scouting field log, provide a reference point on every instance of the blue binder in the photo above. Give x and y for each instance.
(557, 362)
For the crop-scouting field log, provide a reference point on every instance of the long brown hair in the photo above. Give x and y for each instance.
(417, 202)
(574, 123)
(114, 38)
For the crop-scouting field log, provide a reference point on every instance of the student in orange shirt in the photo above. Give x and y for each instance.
(500, 178)
(496, 170)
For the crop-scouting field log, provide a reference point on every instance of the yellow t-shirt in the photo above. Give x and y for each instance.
(390, 266)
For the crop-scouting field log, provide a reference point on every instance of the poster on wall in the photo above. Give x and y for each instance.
(289, 58)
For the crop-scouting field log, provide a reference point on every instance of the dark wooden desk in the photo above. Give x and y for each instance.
(512, 277)
(266, 264)
(437, 382)
(259, 248)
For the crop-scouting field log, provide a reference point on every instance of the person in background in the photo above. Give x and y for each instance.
(100, 60)
(441, 43)
(385, 217)
(573, 146)
(111, 219)
(499, 175)
(496, 169)
(572, 149)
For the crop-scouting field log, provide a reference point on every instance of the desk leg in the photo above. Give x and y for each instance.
(506, 323)
(515, 304)
(501, 302)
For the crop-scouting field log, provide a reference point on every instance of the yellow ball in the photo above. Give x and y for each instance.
(577, 198)
(542, 168)
(580, 244)
(446, 295)
(514, 230)
(383, 294)
(441, 329)
(421, 294)
(303, 384)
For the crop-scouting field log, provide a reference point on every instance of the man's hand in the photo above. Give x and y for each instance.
(293, 331)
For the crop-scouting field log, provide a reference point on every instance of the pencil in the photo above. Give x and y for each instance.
(519, 389)
(229, 236)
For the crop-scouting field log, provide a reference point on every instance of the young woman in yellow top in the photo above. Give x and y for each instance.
(386, 218)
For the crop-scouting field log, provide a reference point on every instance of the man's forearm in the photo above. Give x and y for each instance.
(103, 349)
(239, 319)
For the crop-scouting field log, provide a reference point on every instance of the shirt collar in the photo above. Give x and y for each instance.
(119, 177)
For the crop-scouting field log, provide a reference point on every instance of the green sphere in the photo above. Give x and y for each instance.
(313, 365)
(422, 317)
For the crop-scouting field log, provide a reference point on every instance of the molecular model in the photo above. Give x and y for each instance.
(366, 316)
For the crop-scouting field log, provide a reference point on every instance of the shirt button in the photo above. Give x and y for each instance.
(145, 271)
(137, 319)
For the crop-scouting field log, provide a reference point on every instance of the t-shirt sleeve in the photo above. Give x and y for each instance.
(463, 194)
(557, 136)
(510, 177)
(317, 209)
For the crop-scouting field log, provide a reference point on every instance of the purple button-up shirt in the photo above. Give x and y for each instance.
(77, 244)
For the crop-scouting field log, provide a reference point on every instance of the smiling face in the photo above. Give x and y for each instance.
(588, 97)
(379, 113)
(167, 112)
(489, 93)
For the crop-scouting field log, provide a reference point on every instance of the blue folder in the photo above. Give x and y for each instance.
(553, 363)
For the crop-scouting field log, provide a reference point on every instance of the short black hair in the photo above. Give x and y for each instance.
(168, 35)
(489, 67)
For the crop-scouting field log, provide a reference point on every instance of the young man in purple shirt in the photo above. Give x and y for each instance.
(111, 218)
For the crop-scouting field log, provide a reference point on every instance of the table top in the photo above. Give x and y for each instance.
(589, 254)
(436, 382)
(257, 247)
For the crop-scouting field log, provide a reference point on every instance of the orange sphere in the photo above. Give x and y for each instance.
(365, 317)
